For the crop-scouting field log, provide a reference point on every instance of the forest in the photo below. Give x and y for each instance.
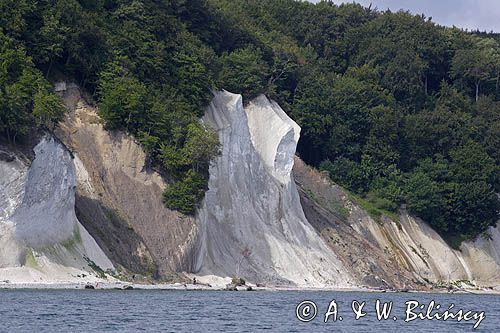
(397, 109)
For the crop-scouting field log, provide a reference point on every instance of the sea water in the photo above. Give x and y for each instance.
(224, 311)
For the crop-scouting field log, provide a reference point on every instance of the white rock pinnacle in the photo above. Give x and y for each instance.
(252, 223)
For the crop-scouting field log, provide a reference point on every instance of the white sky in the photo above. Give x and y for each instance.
(467, 14)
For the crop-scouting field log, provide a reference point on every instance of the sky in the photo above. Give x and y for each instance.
(467, 14)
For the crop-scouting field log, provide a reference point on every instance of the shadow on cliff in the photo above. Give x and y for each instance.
(115, 237)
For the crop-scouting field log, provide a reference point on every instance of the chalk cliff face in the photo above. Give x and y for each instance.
(403, 253)
(251, 220)
(483, 258)
(40, 237)
(118, 197)
(267, 217)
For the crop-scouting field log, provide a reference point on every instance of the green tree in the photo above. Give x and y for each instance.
(472, 65)
(202, 145)
(185, 194)
(48, 109)
(51, 37)
(123, 103)
(381, 150)
(243, 71)
(425, 197)
(347, 173)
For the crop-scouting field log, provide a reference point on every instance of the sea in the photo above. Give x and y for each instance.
(26, 310)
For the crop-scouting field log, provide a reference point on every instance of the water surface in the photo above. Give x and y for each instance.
(214, 311)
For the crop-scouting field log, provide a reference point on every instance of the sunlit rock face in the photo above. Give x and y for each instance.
(403, 253)
(252, 223)
(12, 177)
(483, 257)
(39, 231)
(46, 214)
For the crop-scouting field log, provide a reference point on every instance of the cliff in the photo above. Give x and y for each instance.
(90, 203)
(41, 239)
(251, 219)
(118, 198)
(402, 252)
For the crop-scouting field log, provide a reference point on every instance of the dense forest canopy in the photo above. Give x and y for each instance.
(396, 108)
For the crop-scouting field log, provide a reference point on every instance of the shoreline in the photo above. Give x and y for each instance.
(124, 286)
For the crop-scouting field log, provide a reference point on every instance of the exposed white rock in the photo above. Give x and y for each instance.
(274, 136)
(483, 257)
(46, 214)
(416, 246)
(252, 223)
(12, 178)
(41, 238)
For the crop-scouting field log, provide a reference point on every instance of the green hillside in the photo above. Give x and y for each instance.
(393, 106)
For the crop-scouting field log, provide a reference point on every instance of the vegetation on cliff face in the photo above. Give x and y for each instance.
(396, 108)
(26, 98)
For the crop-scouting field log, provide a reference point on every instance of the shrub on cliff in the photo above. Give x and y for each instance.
(184, 195)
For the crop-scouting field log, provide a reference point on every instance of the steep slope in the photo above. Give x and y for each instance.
(251, 220)
(402, 253)
(259, 220)
(119, 197)
(41, 239)
(483, 257)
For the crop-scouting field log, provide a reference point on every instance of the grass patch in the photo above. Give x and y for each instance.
(71, 243)
(99, 271)
(339, 209)
(30, 260)
(373, 207)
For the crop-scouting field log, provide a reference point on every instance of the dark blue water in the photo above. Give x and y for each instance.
(211, 311)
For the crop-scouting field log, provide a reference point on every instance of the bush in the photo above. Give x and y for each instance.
(425, 198)
(48, 109)
(185, 194)
(26, 99)
(347, 173)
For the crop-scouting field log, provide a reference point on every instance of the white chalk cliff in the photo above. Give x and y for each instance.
(403, 253)
(41, 239)
(251, 220)
(267, 217)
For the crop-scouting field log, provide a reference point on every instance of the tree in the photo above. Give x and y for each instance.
(472, 65)
(184, 195)
(12, 15)
(48, 109)
(491, 49)
(347, 173)
(436, 132)
(404, 76)
(243, 71)
(381, 150)
(51, 37)
(334, 113)
(26, 101)
(426, 198)
(202, 145)
(472, 208)
(124, 102)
